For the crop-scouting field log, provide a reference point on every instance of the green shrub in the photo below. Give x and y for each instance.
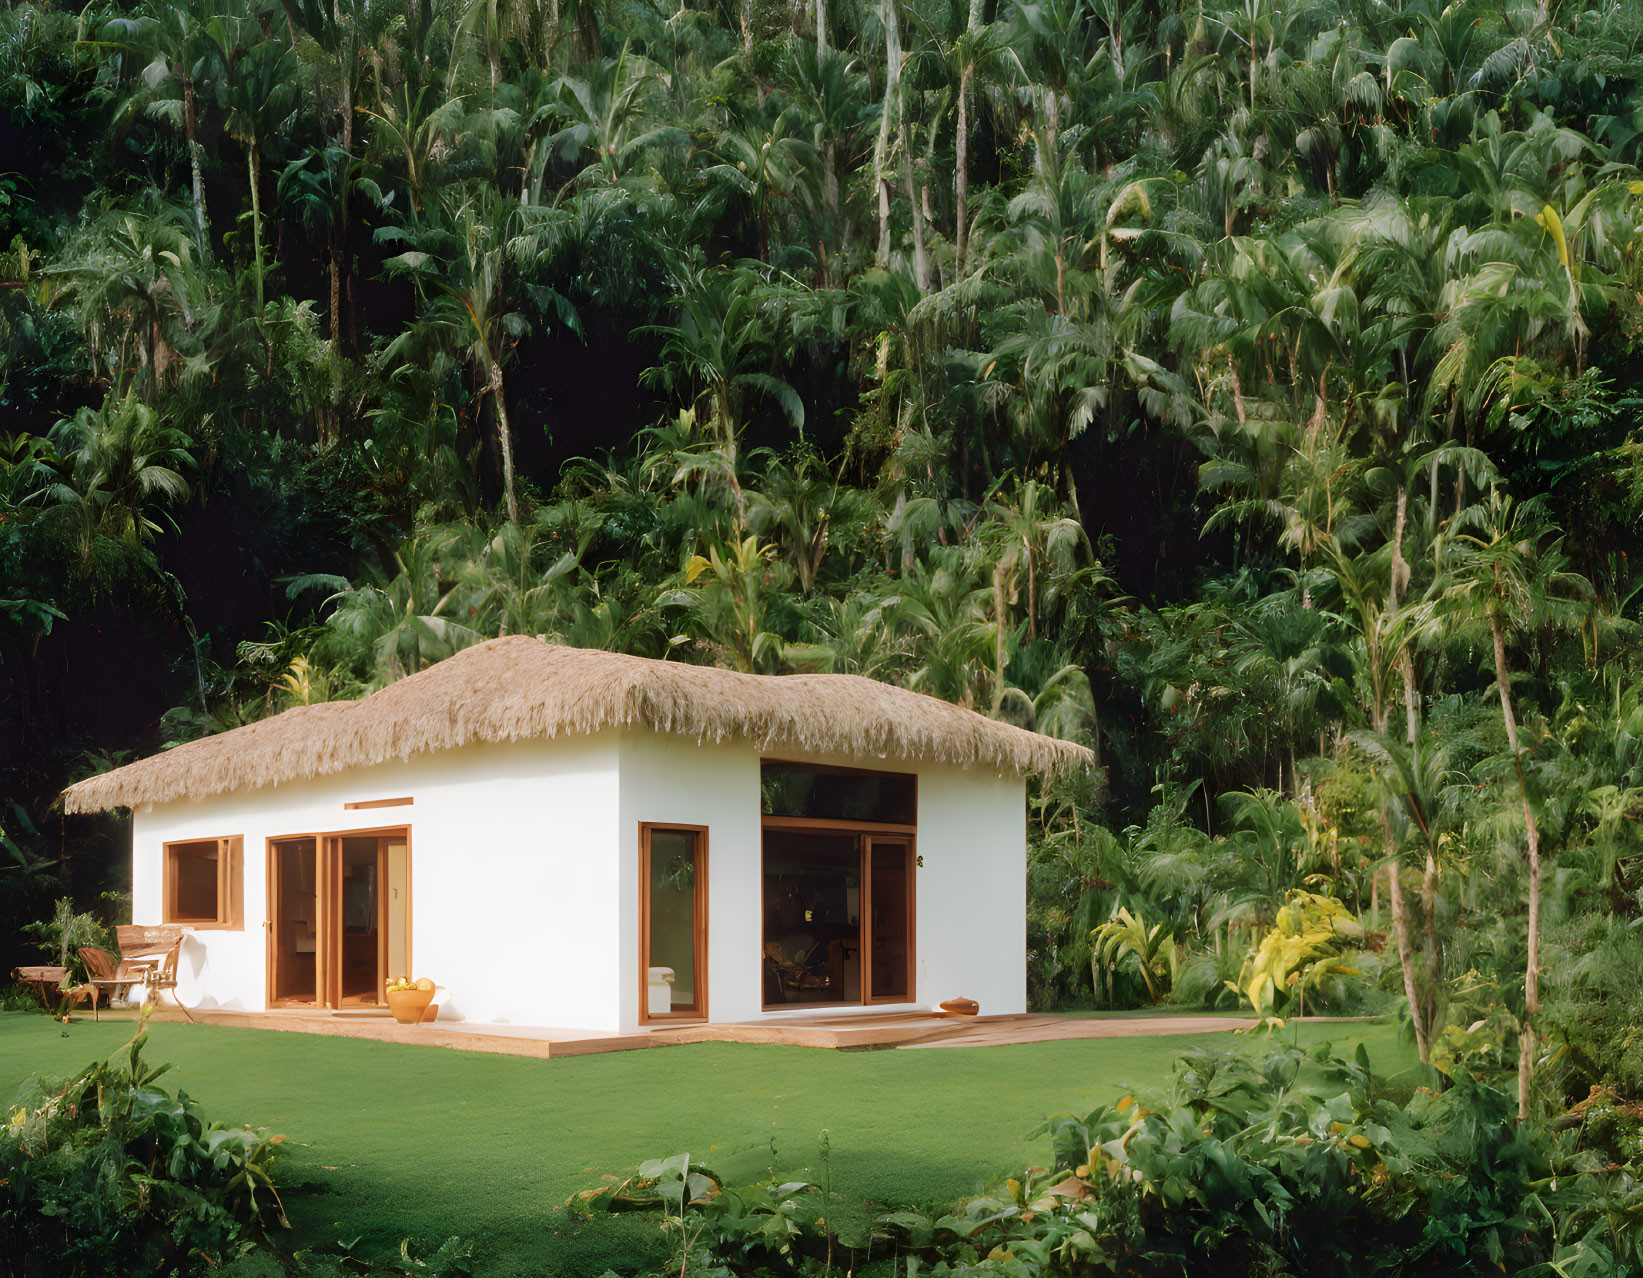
(1288, 1165)
(109, 1173)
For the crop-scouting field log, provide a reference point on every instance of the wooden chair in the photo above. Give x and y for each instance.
(151, 950)
(164, 977)
(106, 978)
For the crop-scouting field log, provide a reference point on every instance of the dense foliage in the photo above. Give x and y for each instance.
(1248, 1164)
(110, 1172)
(1245, 390)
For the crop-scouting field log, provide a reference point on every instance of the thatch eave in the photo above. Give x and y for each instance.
(520, 689)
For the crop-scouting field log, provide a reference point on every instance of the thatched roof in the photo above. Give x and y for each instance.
(520, 689)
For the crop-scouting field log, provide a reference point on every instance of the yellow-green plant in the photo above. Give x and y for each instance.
(1310, 938)
(1153, 948)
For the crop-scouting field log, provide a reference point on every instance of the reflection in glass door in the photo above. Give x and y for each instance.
(890, 921)
(293, 922)
(673, 921)
(360, 970)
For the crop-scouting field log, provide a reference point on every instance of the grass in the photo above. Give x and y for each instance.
(387, 1141)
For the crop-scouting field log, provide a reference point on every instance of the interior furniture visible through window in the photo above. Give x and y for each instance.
(672, 921)
(838, 885)
(205, 883)
(339, 917)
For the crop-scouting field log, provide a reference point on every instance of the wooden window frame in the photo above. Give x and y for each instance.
(699, 951)
(230, 884)
(327, 972)
(843, 823)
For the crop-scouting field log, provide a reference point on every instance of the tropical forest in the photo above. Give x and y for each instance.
(1250, 391)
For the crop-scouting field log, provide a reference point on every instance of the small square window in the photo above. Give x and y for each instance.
(204, 882)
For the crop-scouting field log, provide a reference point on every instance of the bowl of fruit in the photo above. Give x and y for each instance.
(408, 1000)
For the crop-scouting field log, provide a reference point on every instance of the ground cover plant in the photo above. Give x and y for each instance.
(1273, 1161)
(111, 1171)
(386, 1142)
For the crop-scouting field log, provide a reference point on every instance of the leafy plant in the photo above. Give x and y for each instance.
(109, 1172)
(65, 932)
(1128, 936)
(1309, 941)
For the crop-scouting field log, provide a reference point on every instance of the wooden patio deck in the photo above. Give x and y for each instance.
(839, 1031)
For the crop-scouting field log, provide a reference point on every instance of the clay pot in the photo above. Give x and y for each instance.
(960, 1007)
(431, 1015)
(409, 1006)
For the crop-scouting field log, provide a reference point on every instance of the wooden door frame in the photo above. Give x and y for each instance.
(699, 950)
(328, 938)
(864, 832)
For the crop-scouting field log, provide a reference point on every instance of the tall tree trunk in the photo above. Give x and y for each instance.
(191, 129)
(1531, 972)
(961, 174)
(921, 259)
(504, 436)
(830, 179)
(881, 151)
(336, 334)
(347, 190)
(821, 29)
(256, 214)
(1406, 960)
(998, 636)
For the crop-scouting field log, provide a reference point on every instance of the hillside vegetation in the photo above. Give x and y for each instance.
(1247, 391)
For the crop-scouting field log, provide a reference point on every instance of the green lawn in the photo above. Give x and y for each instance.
(387, 1141)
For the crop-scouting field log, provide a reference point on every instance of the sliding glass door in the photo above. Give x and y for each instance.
(338, 918)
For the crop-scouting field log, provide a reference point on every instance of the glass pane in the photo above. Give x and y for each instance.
(812, 918)
(296, 977)
(673, 868)
(791, 791)
(194, 866)
(360, 979)
(890, 920)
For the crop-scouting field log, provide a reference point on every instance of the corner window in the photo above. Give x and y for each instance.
(204, 882)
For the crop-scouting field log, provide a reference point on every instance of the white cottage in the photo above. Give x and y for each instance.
(578, 839)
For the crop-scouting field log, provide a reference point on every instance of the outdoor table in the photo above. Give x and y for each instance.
(42, 980)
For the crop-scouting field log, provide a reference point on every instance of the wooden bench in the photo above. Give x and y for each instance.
(153, 948)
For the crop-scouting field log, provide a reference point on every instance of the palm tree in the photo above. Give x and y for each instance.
(262, 97)
(319, 186)
(978, 53)
(1502, 569)
(608, 110)
(422, 129)
(725, 346)
(762, 164)
(118, 464)
(832, 90)
(136, 285)
(181, 56)
(473, 273)
(405, 623)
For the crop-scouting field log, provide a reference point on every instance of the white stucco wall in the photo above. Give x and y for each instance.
(970, 893)
(524, 875)
(674, 780)
(513, 877)
(972, 889)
